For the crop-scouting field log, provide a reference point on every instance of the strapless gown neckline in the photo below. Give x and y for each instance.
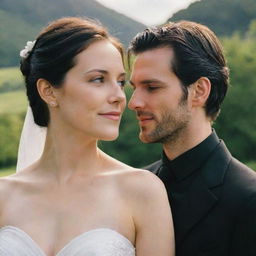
(96, 242)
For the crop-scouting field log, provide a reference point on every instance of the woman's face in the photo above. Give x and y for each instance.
(91, 99)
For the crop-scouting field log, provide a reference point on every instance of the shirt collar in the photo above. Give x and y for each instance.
(185, 164)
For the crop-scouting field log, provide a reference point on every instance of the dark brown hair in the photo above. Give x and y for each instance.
(197, 53)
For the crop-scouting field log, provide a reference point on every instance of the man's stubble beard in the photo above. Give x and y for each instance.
(171, 126)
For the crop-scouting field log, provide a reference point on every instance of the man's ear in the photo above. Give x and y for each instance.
(46, 92)
(200, 91)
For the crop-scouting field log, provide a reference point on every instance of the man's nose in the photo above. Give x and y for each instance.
(136, 101)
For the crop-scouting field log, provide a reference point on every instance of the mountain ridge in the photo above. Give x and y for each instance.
(21, 21)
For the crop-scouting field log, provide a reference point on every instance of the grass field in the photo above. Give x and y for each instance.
(10, 73)
(10, 78)
(13, 102)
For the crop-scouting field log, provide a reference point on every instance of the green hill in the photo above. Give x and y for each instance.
(11, 79)
(222, 16)
(13, 103)
(20, 21)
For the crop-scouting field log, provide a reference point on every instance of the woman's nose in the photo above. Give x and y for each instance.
(117, 94)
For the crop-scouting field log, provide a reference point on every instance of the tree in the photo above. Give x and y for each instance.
(237, 122)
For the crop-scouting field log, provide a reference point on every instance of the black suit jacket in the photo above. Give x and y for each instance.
(215, 213)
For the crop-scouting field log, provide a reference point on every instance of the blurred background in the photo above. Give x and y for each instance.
(234, 22)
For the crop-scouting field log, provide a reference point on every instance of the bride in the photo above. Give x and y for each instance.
(76, 200)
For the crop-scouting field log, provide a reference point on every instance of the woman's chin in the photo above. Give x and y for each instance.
(110, 137)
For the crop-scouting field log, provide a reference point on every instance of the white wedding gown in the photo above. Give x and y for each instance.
(96, 242)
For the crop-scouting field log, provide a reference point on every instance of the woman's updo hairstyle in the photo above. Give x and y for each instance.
(53, 55)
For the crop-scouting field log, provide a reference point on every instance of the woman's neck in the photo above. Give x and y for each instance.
(70, 153)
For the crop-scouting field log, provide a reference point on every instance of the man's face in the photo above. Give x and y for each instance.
(158, 99)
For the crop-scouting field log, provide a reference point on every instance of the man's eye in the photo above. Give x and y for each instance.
(152, 88)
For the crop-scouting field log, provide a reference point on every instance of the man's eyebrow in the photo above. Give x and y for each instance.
(148, 81)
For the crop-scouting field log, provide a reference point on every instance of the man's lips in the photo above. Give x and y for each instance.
(143, 119)
(113, 115)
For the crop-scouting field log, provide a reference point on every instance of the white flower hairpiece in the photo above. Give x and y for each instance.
(28, 48)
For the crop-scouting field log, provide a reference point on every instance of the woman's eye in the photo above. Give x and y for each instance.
(121, 83)
(97, 80)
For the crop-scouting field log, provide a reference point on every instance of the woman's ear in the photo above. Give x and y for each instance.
(46, 92)
(200, 91)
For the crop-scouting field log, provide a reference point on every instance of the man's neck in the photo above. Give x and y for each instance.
(188, 139)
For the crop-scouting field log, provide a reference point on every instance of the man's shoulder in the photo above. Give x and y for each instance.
(154, 167)
(227, 168)
(238, 186)
(242, 173)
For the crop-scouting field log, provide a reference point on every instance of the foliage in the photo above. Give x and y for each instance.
(237, 122)
(224, 17)
(252, 165)
(251, 33)
(10, 80)
(12, 108)
(10, 128)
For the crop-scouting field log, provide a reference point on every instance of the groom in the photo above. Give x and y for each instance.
(180, 79)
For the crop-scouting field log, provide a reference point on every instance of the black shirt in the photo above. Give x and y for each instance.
(180, 171)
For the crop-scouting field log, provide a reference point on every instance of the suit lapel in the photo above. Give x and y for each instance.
(190, 207)
(197, 199)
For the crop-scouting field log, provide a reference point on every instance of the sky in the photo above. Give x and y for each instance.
(148, 12)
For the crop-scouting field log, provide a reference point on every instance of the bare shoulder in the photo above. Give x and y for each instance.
(135, 184)
(12, 183)
(7, 185)
(145, 193)
(134, 177)
(141, 184)
(144, 180)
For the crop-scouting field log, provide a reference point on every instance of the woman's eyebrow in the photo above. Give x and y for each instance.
(97, 70)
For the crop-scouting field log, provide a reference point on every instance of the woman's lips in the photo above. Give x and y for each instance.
(111, 115)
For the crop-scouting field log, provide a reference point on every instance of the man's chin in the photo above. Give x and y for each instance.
(146, 138)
